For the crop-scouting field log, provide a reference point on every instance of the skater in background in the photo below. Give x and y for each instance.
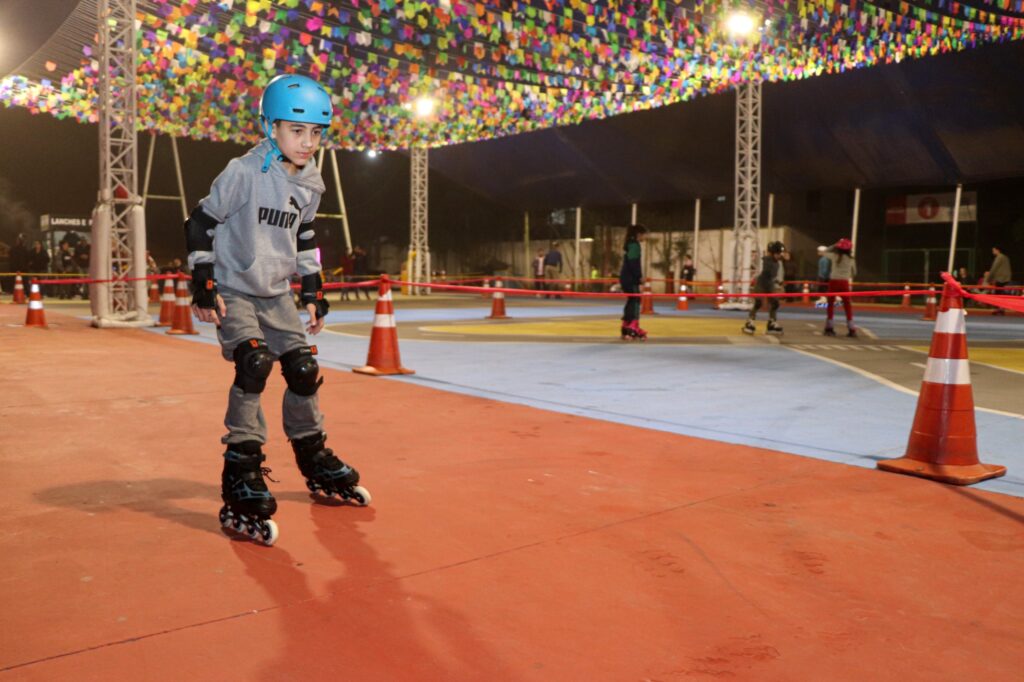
(771, 280)
(630, 277)
(824, 270)
(841, 273)
(245, 240)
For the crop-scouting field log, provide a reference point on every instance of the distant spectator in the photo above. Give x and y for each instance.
(66, 265)
(347, 266)
(17, 260)
(82, 260)
(553, 269)
(359, 269)
(538, 271)
(689, 272)
(999, 274)
(151, 266)
(38, 261)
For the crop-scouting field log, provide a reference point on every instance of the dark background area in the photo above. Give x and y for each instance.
(917, 127)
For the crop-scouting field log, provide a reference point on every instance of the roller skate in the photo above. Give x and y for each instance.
(774, 328)
(852, 332)
(829, 331)
(749, 328)
(631, 330)
(326, 473)
(248, 505)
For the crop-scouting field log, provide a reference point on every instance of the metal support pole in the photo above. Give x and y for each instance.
(177, 173)
(632, 215)
(576, 259)
(856, 221)
(149, 168)
(696, 239)
(956, 225)
(341, 199)
(771, 216)
(528, 269)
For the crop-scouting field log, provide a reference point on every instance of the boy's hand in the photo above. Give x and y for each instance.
(315, 324)
(214, 315)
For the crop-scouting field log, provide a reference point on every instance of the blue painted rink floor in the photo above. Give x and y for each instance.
(760, 395)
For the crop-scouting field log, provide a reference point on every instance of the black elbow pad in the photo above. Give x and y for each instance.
(199, 231)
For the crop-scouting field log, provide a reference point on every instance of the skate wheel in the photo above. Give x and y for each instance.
(360, 494)
(225, 517)
(268, 533)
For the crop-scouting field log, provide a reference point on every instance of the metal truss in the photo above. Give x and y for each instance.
(119, 229)
(747, 209)
(419, 249)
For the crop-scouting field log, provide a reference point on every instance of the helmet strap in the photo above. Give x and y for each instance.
(274, 149)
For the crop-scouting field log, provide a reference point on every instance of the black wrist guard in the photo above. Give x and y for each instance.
(312, 292)
(204, 286)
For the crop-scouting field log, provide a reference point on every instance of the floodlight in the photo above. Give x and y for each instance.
(424, 106)
(739, 24)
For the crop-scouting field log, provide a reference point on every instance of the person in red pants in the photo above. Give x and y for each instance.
(842, 272)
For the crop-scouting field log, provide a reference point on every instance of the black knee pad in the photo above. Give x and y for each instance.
(300, 370)
(253, 362)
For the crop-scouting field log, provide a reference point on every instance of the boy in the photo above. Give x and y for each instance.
(768, 282)
(245, 240)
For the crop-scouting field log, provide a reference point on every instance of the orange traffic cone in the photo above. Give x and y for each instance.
(929, 305)
(682, 303)
(943, 442)
(905, 303)
(806, 293)
(498, 304)
(646, 300)
(154, 291)
(720, 299)
(35, 317)
(167, 304)
(182, 322)
(383, 358)
(19, 290)
(486, 285)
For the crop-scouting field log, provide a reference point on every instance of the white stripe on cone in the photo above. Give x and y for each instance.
(35, 305)
(383, 321)
(386, 296)
(951, 322)
(947, 371)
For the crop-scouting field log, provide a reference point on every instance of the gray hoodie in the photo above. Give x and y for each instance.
(261, 217)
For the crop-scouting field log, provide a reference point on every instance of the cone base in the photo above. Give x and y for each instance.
(962, 474)
(497, 317)
(38, 325)
(377, 372)
(181, 331)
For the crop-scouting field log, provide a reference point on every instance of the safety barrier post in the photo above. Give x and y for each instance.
(943, 443)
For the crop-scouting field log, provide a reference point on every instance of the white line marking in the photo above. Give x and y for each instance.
(891, 384)
(919, 364)
(867, 332)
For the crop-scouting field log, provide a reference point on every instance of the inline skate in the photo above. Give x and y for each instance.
(248, 504)
(829, 331)
(774, 328)
(326, 473)
(749, 327)
(632, 331)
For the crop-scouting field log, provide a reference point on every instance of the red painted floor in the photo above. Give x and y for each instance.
(504, 542)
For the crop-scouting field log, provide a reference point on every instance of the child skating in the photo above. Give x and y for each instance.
(769, 281)
(245, 241)
(630, 278)
(842, 272)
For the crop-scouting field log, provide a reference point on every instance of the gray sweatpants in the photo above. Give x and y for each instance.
(275, 321)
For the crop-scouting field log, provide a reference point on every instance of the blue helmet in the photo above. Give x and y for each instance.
(293, 98)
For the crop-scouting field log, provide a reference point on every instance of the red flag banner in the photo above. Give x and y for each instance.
(914, 209)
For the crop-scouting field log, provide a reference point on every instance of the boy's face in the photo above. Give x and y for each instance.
(297, 141)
